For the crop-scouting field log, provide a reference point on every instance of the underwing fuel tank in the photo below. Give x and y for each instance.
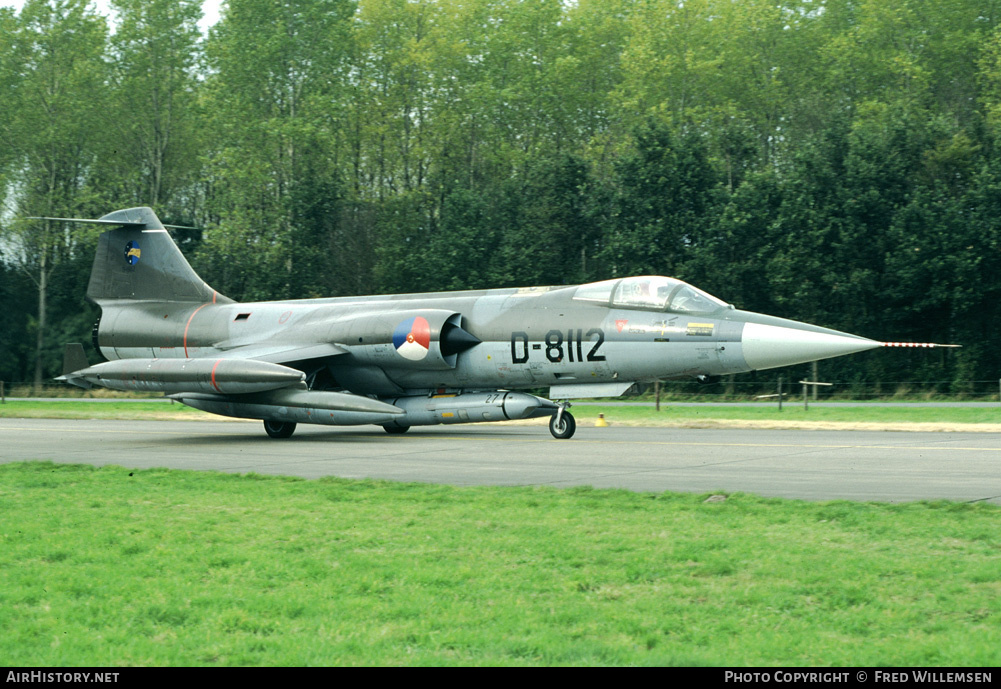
(470, 407)
(295, 406)
(224, 376)
(342, 409)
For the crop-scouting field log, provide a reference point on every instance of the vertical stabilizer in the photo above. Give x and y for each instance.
(139, 261)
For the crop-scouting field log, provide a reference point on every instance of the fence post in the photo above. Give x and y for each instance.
(656, 388)
(3, 398)
(807, 384)
(780, 393)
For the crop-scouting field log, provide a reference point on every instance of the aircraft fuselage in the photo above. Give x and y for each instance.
(409, 359)
(528, 338)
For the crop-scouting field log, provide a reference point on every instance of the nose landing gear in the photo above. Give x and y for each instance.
(562, 424)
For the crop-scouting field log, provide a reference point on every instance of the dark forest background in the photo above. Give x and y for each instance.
(832, 161)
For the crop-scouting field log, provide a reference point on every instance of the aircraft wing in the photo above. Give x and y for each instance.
(282, 353)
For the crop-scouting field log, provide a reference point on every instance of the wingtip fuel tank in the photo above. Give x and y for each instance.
(223, 376)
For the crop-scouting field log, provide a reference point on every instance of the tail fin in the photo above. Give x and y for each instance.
(139, 261)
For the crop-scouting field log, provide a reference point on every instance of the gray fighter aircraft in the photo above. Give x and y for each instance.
(407, 360)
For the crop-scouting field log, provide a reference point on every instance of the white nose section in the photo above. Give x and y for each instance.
(770, 346)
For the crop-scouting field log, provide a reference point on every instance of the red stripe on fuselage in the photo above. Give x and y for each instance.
(188, 325)
(213, 374)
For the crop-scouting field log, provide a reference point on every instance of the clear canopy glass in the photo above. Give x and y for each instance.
(650, 293)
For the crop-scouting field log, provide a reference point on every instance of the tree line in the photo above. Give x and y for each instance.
(832, 161)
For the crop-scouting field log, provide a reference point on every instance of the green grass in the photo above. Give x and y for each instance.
(107, 566)
(79, 409)
(669, 415)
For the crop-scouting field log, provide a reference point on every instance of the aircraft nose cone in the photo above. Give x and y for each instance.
(770, 346)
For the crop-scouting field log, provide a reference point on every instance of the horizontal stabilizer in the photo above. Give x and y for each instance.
(116, 223)
(89, 221)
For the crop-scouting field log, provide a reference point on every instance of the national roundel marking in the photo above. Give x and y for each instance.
(132, 253)
(412, 338)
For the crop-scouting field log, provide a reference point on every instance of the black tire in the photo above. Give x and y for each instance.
(396, 430)
(279, 429)
(567, 427)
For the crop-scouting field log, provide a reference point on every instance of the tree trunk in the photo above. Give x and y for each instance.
(43, 280)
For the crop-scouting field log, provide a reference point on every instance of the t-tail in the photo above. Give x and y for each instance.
(138, 261)
(141, 277)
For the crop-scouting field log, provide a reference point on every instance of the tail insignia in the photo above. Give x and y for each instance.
(132, 253)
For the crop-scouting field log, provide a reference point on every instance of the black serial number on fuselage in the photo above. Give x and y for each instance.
(555, 341)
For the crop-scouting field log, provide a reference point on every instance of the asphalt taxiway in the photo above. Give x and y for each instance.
(811, 465)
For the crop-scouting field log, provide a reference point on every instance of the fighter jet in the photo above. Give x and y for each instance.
(407, 360)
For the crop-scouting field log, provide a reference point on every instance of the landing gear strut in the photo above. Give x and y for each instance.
(562, 424)
(279, 429)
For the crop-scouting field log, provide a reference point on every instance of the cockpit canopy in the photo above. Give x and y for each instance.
(650, 293)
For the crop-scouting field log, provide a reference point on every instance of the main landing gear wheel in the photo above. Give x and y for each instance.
(279, 429)
(566, 426)
(396, 430)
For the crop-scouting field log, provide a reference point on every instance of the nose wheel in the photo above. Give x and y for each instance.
(562, 424)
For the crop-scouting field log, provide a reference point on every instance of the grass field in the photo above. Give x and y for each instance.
(793, 415)
(707, 415)
(82, 409)
(107, 566)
